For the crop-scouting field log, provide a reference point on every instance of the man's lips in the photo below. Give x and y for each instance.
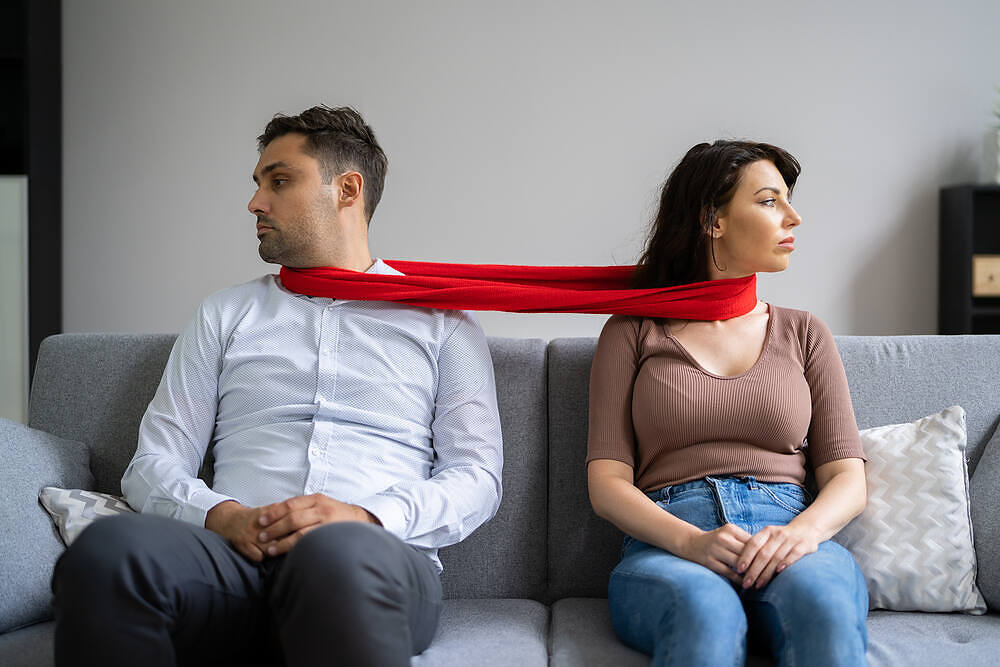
(261, 228)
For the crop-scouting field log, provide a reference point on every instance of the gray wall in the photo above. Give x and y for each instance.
(519, 132)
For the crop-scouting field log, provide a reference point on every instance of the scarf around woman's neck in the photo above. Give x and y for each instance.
(528, 289)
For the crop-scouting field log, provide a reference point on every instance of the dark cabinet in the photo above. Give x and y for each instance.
(31, 144)
(969, 266)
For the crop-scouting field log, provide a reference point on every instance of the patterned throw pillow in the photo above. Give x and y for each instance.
(914, 539)
(73, 510)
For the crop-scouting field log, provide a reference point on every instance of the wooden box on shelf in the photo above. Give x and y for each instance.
(969, 254)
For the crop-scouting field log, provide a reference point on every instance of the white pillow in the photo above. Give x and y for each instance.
(914, 539)
(73, 510)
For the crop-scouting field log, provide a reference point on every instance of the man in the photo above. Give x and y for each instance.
(351, 440)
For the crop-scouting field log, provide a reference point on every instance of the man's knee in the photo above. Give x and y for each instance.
(341, 553)
(98, 551)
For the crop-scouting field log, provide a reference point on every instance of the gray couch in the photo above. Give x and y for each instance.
(528, 588)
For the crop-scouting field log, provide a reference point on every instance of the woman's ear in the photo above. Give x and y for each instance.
(715, 222)
(718, 228)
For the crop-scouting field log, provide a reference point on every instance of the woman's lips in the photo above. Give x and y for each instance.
(788, 243)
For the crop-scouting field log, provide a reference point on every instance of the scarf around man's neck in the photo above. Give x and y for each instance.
(528, 289)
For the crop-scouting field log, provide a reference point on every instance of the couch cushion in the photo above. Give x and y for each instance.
(913, 541)
(72, 510)
(582, 634)
(898, 379)
(505, 558)
(29, 543)
(912, 638)
(893, 380)
(985, 492)
(29, 647)
(489, 632)
(95, 388)
(583, 548)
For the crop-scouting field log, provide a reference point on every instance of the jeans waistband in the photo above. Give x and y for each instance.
(708, 482)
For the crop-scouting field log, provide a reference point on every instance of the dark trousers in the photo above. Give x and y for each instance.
(150, 591)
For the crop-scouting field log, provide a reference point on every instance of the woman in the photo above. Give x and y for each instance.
(696, 440)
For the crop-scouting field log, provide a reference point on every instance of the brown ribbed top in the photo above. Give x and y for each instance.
(653, 407)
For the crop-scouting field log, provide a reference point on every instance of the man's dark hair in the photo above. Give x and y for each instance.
(700, 186)
(341, 141)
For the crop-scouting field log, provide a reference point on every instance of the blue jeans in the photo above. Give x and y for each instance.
(682, 613)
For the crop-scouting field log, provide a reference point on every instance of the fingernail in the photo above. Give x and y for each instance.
(747, 583)
(741, 567)
(780, 568)
(262, 537)
(262, 520)
(272, 550)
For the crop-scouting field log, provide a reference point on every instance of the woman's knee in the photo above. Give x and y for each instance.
(823, 587)
(683, 604)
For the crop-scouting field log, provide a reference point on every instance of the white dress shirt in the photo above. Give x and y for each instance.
(385, 406)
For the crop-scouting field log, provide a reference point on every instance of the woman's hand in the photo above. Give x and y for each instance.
(719, 550)
(772, 550)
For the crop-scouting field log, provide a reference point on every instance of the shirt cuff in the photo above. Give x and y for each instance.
(196, 508)
(389, 511)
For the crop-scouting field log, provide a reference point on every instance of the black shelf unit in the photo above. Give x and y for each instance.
(31, 144)
(969, 225)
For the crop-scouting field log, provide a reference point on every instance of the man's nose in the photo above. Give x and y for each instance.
(257, 204)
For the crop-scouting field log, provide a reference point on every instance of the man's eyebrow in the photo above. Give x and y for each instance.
(271, 167)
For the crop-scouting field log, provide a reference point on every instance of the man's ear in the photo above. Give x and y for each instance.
(350, 185)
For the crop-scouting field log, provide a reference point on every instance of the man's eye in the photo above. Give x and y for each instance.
(278, 182)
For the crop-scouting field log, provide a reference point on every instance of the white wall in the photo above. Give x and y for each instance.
(14, 298)
(520, 132)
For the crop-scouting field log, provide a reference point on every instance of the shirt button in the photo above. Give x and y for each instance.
(314, 451)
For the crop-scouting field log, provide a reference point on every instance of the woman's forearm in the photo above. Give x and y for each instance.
(842, 496)
(620, 502)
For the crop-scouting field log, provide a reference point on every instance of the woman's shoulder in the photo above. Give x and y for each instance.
(798, 319)
(801, 326)
(634, 333)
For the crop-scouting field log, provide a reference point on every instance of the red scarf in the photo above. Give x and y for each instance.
(528, 289)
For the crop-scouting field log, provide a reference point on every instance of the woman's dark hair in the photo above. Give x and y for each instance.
(702, 183)
(341, 141)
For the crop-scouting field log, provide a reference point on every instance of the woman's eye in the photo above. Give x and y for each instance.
(768, 202)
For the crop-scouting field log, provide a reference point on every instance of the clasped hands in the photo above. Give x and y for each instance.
(751, 561)
(272, 530)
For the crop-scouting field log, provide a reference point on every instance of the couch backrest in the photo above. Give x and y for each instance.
(95, 388)
(893, 379)
(506, 557)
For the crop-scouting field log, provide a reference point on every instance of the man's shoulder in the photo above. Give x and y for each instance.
(252, 289)
(231, 302)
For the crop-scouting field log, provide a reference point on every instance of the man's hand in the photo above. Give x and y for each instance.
(273, 530)
(238, 524)
(772, 550)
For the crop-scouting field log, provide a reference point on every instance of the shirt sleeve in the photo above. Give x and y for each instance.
(833, 431)
(177, 428)
(464, 488)
(611, 434)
